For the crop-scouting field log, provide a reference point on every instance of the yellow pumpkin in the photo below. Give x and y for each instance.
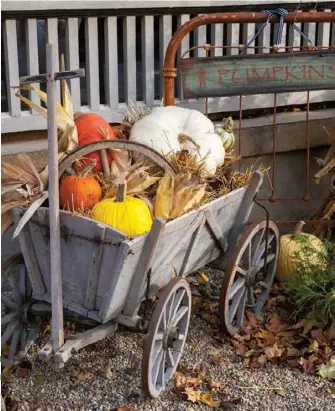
(290, 246)
(125, 213)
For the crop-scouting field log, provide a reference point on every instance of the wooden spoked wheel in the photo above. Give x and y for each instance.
(18, 331)
(104, 146)
(164, 343)
(246, 283)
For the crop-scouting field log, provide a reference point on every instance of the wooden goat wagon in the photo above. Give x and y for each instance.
(93, 272)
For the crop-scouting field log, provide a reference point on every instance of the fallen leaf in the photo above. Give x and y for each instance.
(250, 353)
(306, 364)
(5, 350)
(273, 352)
(240, 348)
(331, 391)
(313, 347)
(282, 392)
(197, 396)
(267, 336)
(298, 325)
(327, 371)
(317, 335)
(293, 352)
(275, 325)
(218, 360)
(215, 384)
(331, 331)
(124, 409)
(251, 320)
(81, 375)
(262, 359)
(39, 380)
(309, 324)
(183, 381)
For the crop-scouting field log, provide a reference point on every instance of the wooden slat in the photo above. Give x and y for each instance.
(264, 39)
(216, 230)
(93, 277)
(52, 38)
(144, 265)
(248, 31)
(28, 250)
(148, 70)
(323, 34)
(200, 39)
(165, 34)
(294, 38)
(275, 34)
(92, 63)
(129, 57)
(217, 32)
(32, 57)
(184, 46)
(309, 29)
(72, 58)
(11, 66)
(332, 40)
(233, 38)
(111, 62)
(186, 267)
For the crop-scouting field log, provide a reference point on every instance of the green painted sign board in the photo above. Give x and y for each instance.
(258, 74)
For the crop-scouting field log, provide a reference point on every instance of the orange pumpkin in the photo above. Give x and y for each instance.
(92, 127)
(78, 192)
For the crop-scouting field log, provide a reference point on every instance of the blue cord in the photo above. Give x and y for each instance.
(281, 13)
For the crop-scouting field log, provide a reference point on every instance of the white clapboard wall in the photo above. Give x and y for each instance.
(123, 56)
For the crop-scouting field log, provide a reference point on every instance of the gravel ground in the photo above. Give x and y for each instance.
(44, 389)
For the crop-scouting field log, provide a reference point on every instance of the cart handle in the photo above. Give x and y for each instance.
(116, 145)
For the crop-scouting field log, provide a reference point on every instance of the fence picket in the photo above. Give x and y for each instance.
(32, 58)
(72, 58)
(148, 69)
(92, 63)
(129, 56)
(217, 33)
(12, 67)
(200, 39)
(185, 45)
(233, 38)
(165, 33)
(111, 64)
(52, 38)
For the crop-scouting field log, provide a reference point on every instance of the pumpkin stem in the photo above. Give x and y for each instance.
(122, 188)
(228, 124)
(298, 228)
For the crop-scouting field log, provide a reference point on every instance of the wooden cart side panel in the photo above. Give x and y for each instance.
(78, 240)
(174, 249)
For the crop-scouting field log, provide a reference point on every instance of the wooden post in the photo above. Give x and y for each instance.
(57, 331)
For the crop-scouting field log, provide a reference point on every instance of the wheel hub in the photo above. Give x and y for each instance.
(250, 280)
(171, 334)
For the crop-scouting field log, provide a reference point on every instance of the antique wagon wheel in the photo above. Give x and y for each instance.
(18, 329)
(102, 146)
(246, 283)
(164, 343)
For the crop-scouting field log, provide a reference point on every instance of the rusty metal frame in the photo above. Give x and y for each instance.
(170, 73)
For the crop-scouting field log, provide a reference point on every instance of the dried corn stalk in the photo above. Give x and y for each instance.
(21, 186)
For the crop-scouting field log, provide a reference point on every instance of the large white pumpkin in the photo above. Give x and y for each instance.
(161, 128)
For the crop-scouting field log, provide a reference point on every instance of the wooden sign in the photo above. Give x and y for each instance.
(258, 74)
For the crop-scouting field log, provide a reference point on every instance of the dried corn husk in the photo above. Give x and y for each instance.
(23, 186)
(164, 197)
(187, 199)
(139, 177)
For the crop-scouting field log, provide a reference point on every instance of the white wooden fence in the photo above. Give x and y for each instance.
(123, 54)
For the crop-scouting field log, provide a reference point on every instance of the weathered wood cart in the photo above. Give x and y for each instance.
(104, 277)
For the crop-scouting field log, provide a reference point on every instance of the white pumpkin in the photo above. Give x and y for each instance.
(161, 128)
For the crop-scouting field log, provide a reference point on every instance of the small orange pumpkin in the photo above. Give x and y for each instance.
(77, 192)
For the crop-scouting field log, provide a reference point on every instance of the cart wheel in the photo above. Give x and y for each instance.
(246, 284)
(16, 329)
(166, 336)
